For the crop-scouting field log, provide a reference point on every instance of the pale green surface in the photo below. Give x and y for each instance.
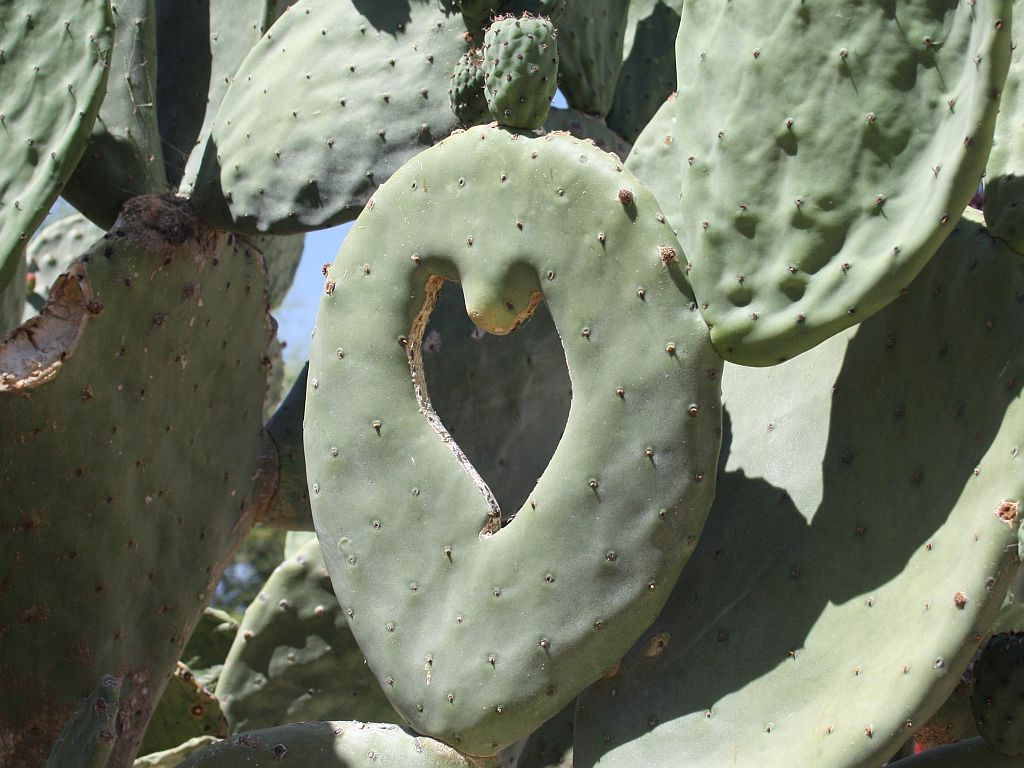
(818, 621)
(655, 159)
(187, 709)
(172, 758)
(591, 36)
(575, 607)
(584, 126)
(51, 85)
(201, 44)
(326, 107)
(332, 745)
(124, 157)
(797, 230)
(294, 658)
(520, 70)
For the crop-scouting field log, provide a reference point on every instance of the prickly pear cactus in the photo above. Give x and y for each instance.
(826, 156)
(172, 758)
(303, 139)
(334, 743)
(591, 36)
(56, 56)
(467, 89)
(655, 158)
(584, 126)
(140, 337)
(648, 73)
(430, 599)
(294, 658)
(996, 695)
(1004, 173)
(836, 521)
(209, 645)
(520, 70)
(186, 710)
(87, 739)
(124, 157)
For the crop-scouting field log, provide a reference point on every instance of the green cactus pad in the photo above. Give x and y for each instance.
(589, 559)
(114, 421)
(849, 568)
(87, 739)
(200, 45)
(996, 695)
(51, 252)
(326, 107)
(591, 36)
(289, 508)
(648, 73)
(55, 56)
(15, 299)
(655, 159)
(333, 745)
(1004, 174)
(296, 540)
(209, 645)
(467, 90)
(973, 753)
(124, 157)
(584, 126)
(294, 657)
(186, 710)
(172, 758)
(826, 156)
(520, 70)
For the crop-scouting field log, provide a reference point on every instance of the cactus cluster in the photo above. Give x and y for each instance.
(662, 428)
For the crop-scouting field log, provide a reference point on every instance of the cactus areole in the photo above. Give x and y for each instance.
(478, 633)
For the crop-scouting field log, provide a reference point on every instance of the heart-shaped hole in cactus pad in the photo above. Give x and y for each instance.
(504, 399)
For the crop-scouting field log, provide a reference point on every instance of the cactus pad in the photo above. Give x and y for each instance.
(326, 107)
(467, 89)
(584, 126)
(520, 70)
(139, 337)
(289, 507)
(591, 36)
(172, 758)
(655, 159)
(294, 657)
(1004, 174)
(997, 693)
(124, 157)
(477, 11)
(186, 710)
(648, 73)
(55, 56)
(431, 595)
(88, 737)
(332, 745)
(836, 520)
(826, 156)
